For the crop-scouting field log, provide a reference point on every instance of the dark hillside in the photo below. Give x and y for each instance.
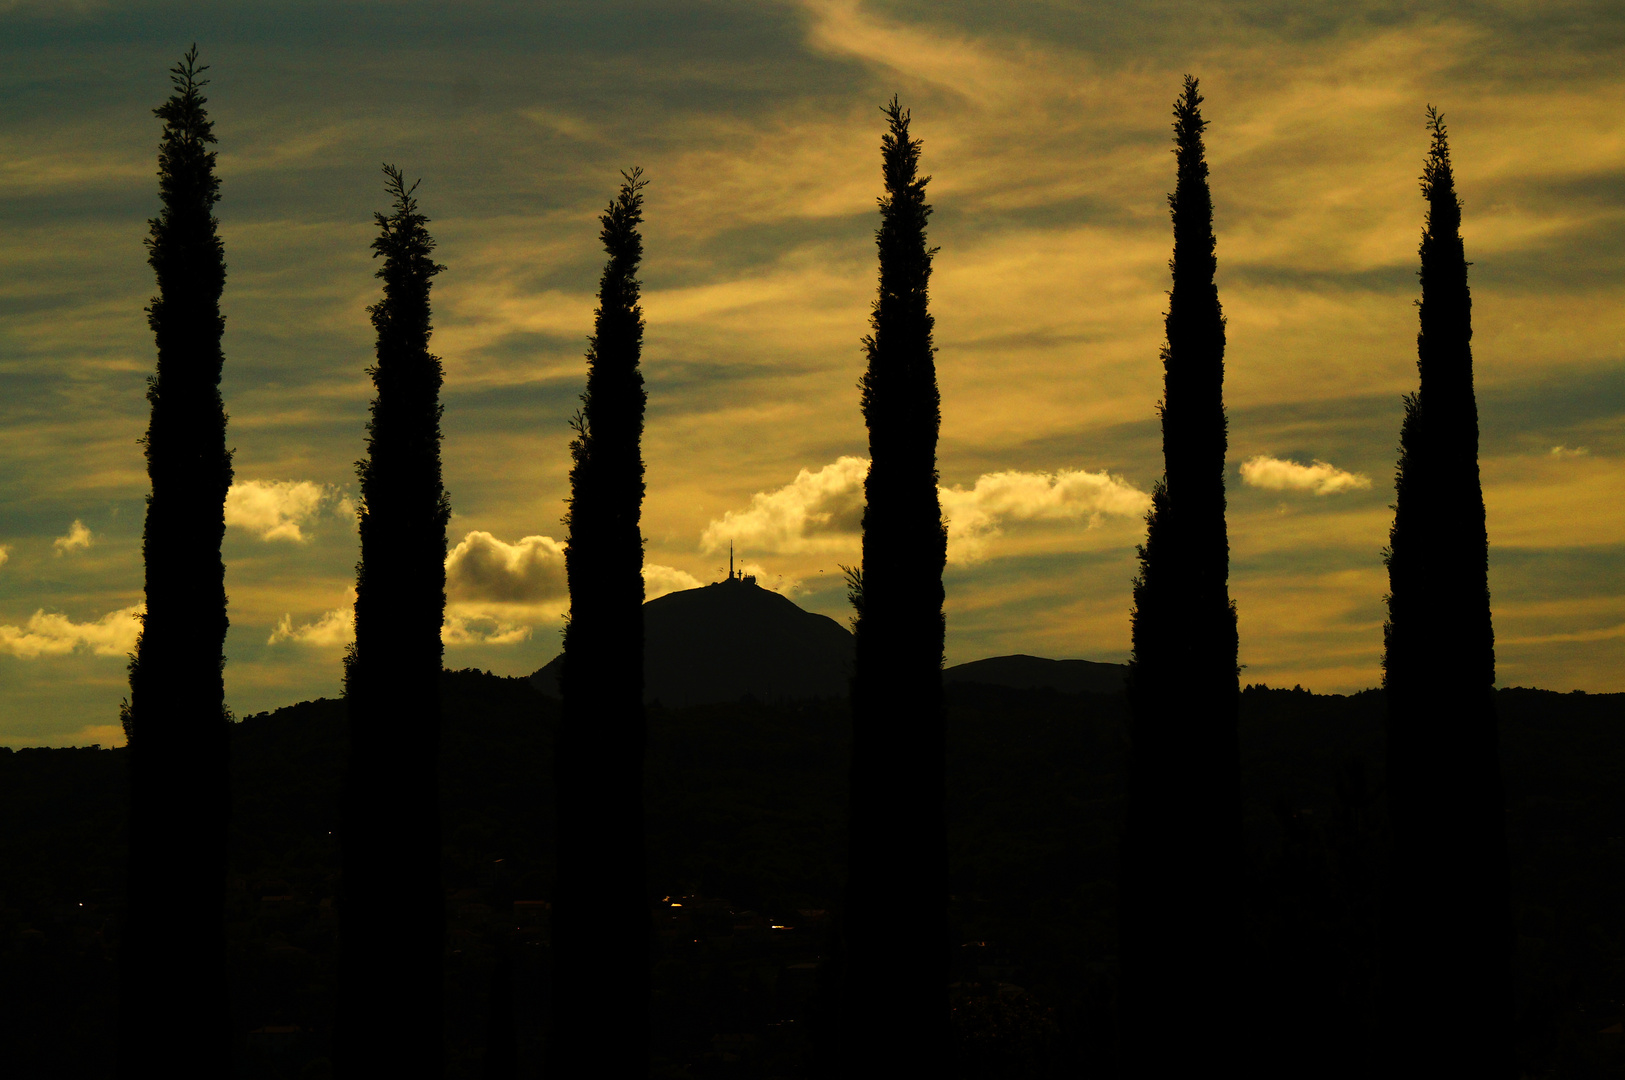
(731, 639)
(1024, 672)
(746, 826)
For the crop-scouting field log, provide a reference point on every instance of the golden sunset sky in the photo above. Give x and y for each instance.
(1046, 129)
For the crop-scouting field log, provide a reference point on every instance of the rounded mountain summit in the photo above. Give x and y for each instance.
(733, 638)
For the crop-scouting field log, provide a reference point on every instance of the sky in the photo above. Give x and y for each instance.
(1046, 128)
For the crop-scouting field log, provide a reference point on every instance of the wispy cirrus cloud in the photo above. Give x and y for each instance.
(1320, 478)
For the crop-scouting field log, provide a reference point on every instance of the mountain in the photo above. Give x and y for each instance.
(723, 641)
(1022, 672)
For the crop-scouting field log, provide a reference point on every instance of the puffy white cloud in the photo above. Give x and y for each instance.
(481, 628)
(5, 554)
(52, 634)
(976, 514)
(1569, 451)
(274, 509)
(1276, 474)
(822, 510)
(659, 580)
(817, 511)
(331, 629)
(78, 539)
(481, 567)
(465, 624)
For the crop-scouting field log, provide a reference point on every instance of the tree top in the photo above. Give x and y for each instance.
(1437, 175)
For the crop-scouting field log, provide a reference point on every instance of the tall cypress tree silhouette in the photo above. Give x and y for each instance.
(173, 1018)
(1182, 839)
(896, 1008)
(600, 1002)
(1448, 965)
(391, 914)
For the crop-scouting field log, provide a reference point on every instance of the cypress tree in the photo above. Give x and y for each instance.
(600, 1001)
(391, 914)
(1178, 909)
(173, 1018)
(896, 1007)
(1449, 955)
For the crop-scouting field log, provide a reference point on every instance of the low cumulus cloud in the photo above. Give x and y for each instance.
(500, 591)
(818, 511)
(822, 510)
(978, 513)
(464, 625)
(329, 630)
(480, 628)
(78, 539)
(275, 509)
(1569, 451)
(1277, 474)
(5, 554)
(481, 567)
(50, 634)
(659, 580)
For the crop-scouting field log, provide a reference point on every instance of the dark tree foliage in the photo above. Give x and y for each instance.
(391, 912)
(600, 1010)
(1181, 847)
(896, 1007)
(1448, 965)
(173, 1018)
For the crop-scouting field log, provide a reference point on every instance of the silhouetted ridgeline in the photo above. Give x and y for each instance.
(733, 638)
(746, 805)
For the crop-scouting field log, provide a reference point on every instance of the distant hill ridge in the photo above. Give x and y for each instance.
(1023, 672)
(733, 638)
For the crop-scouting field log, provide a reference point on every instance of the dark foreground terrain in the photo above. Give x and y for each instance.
(746, 805)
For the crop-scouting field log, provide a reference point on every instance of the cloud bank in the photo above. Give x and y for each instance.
(52, 634)
(1277, 474)
(822, 510)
